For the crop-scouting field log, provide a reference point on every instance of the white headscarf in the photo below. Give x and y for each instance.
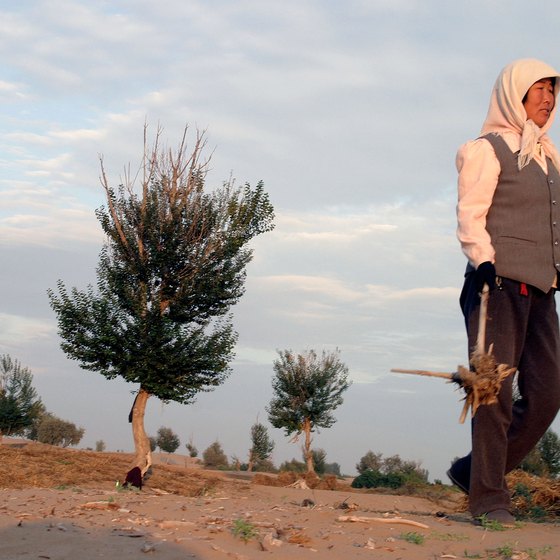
(507, 113)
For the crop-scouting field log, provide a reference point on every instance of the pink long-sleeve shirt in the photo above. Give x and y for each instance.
(479, 170)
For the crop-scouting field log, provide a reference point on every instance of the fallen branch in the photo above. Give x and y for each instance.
(397, 520)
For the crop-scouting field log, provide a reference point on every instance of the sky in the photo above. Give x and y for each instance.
(351, 114)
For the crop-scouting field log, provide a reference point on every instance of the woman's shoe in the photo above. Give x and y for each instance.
(501, 516)
(460, 476)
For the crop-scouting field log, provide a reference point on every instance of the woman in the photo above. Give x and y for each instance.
(509, 228)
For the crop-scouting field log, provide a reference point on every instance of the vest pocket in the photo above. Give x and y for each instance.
(511, 240)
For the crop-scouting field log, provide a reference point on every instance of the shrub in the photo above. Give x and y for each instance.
(214, 457)
(375, 479)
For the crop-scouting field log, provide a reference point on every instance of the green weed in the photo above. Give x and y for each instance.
(244, 530)
(413, 537)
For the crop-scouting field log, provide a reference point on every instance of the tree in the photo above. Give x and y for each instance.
(307, 389)
(261, 446)
(167, 440)
(549, 448)
(55, 431)
(544, 458)
(172, 267)
(19, 402)
(100, 446)
(370, 461)
(333, 468)
(214, 457)
(391, 472)
(191, 448)
(319, 457)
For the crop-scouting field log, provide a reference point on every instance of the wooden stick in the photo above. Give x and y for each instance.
(424, 372)
(399, 520)
(483, 313)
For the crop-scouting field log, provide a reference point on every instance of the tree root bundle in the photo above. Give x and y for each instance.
(483, 381)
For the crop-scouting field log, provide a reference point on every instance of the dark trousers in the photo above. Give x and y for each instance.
(522, 325)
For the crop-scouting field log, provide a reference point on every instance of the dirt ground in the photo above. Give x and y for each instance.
(59, 504)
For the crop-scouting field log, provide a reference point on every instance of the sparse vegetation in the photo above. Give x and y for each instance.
(413, 537)
(244, 530)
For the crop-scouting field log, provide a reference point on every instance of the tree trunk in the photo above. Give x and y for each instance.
(143, 453)
(307, 446)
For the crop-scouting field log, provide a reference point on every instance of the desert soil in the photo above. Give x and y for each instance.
(91, 519)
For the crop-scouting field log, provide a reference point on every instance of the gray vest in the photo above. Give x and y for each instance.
(524, 219)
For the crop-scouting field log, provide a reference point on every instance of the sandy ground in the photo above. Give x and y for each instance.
(280, 523)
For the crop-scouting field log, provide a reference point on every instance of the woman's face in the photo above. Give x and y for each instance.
(539, 101)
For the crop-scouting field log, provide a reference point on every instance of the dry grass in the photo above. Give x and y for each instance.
(534, 496)
(35, 465)
(43, 466)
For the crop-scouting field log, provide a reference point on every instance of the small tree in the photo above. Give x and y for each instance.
(19, 403)
(172, 267)
(293, 466)
(193, 451)
(319, 460)
(544, 458)
(549, 448)
(55, 431)
(100, 446)
(307, 389)
(261, 448)
(370, 461)
(167, 440)
(153, 443)
(214, 457)
(333, 468)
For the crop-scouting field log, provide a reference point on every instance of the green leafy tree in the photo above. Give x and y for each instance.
(549, 448)
(55, 431)
(167, 440)
(153, 443)
(20, 404)
(319, 457)
(306, 391)
(544, 458)
(172, 267)
(214, 457)
(100, 446)
(261, 448)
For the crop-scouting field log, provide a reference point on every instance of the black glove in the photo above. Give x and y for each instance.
(485, 274)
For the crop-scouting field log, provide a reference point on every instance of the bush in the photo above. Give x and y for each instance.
(55, 431)
(293, 466)
(214, 457)
(376, 479)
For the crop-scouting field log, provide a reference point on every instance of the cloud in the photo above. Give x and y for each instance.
(16, 330)
(12, 91)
